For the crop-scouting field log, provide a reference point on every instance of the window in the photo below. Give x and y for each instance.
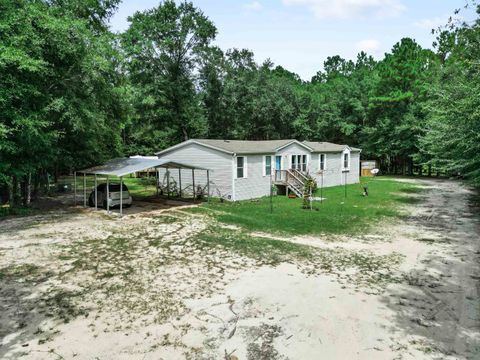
(299, 162)
(346, 161)
(304, 163)
(241, 173)
(267, 169)
(321, 165)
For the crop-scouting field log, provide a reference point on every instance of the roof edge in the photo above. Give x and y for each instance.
(295, 142)
(188, 142)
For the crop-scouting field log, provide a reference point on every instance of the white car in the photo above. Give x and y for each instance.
(113, 196)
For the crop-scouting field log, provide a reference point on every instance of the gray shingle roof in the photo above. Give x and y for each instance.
(260, 146)
(327, 146)
(246, 146)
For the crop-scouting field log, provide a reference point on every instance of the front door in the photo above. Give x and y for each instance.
(278, 163)
(278, 167)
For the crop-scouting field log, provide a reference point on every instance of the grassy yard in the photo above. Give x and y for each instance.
(337, 214)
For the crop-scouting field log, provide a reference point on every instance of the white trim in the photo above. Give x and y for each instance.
(346, 152)
(191, 141)
(294, 142)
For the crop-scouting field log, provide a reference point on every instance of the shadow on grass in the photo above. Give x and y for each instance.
(23, 314)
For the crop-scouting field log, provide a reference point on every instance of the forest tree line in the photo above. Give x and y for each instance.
(74, 94)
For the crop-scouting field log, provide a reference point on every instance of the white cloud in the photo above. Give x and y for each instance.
(351, 8)
(253, 6)
(434, 23)
(370, 46)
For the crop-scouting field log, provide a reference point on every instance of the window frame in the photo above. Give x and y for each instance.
(324, 162)
(264, 171)
(298, 161)
(244, 168)
(347, 154)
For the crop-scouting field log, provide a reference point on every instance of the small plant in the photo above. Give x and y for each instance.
(310, 183)
(200, 192)
(309, 188)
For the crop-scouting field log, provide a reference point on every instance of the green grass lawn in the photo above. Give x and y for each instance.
(337, 214)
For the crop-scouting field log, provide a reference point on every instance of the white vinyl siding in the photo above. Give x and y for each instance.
(255, 185)
(219, 163)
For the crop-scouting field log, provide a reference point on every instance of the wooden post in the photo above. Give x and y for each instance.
(157, 177)
(108, 196)
(193, 184)
(208, 185)
(84, 190)
(75, 188)
(96, 206)
(121, 196)
(180, 182)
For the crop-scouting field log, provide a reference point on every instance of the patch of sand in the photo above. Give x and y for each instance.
(79, 284)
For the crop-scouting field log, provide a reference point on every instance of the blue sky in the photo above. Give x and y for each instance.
(300, 34)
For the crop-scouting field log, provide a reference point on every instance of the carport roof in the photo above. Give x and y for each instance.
(125, 166)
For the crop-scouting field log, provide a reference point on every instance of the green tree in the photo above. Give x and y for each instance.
(164, 47)
(452, 139)
(58, 102)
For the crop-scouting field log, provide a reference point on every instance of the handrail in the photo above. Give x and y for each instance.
(300, 173)
(291, 173)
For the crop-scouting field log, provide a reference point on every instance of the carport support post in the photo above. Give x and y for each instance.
(84, 190)
(157, 177)
(121, 195)
(96, 192)
(180, 182)
(193, 184)
(108, 196)
(208, 185)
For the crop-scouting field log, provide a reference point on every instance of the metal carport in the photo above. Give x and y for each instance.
(124, 166)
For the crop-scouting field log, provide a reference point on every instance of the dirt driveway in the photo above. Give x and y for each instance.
(78, 284)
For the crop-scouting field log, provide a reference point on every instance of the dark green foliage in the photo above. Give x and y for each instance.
(163, 48)
(452, 140)
(59, 101)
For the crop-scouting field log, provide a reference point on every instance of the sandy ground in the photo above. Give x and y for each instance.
(79, 284)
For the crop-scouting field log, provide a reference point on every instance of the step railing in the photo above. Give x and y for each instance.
(295, 182)
(294, 179)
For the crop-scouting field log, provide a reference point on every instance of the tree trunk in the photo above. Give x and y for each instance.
(15, 192)
(36, 185)
(429, 170)
(28, 189)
